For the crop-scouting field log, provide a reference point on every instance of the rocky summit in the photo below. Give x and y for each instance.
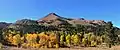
(55, 19)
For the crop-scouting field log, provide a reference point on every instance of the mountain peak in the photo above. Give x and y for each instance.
(50, 16)
(54, 18)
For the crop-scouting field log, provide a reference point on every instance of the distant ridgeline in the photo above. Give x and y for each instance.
(55, 23)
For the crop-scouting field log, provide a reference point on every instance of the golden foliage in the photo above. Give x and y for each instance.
(16, 39)
(49, 39)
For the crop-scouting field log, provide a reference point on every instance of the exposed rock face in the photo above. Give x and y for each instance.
(54, 19)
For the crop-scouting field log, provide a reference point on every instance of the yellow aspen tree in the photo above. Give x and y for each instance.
(42, 38)
(57, 45)
(68, 38)
(62, 39)
(9, 38)
(16, 39)
(84, 42)
(76, 40)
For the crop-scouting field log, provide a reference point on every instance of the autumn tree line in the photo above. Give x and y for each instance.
(28, 33)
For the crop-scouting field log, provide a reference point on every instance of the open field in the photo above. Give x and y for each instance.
(81, 48)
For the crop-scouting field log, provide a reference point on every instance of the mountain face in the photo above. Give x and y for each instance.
(26, 22)
(53, 22)
(54, 19)
(4, 24)
(51, 16)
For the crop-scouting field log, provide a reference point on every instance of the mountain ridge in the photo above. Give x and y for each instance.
(52, 18)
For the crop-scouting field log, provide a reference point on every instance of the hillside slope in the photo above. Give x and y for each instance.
(55, 19)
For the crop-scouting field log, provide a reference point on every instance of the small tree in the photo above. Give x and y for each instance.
(84, 42)
(68, 38)
(16, 40)
(76, 40)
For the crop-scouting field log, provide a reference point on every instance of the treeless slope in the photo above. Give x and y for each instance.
(51, 16)
(55, 19)
(52, 19)
(78, 22)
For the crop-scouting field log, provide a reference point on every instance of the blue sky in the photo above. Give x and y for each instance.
(108, 10)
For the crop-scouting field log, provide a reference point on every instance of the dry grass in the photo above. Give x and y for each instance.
(81, 48)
